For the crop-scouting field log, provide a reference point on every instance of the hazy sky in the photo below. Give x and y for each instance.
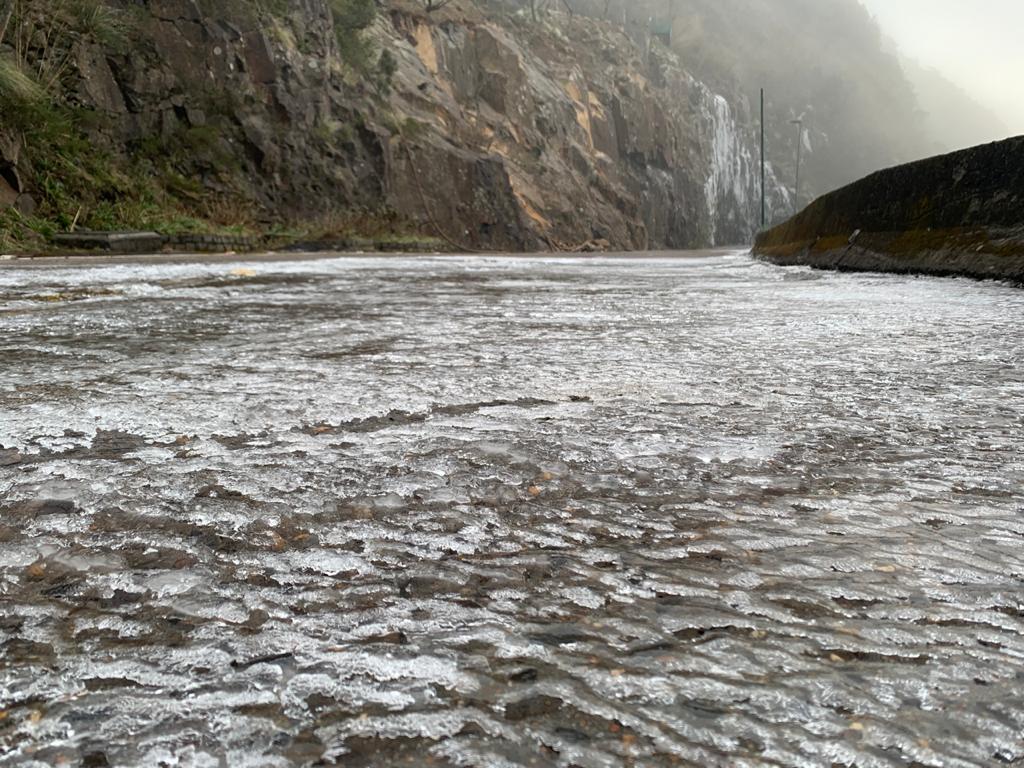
(978, 44)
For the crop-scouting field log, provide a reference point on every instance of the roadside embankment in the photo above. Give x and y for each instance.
(956, 214)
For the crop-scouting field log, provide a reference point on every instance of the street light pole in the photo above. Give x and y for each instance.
(763, 218)
(799, 123)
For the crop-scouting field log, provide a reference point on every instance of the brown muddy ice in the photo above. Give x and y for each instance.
(509, 512)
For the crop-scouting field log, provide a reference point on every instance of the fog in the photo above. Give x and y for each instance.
(976, 45)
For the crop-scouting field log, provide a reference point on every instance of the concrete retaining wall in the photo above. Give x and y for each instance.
(957, 214)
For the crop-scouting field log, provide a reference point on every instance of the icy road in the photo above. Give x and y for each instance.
(509, 512)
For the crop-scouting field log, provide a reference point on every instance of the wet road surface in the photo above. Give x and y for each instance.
(509, 512)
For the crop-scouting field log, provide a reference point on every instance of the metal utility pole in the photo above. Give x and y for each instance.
(799, 123)
(764, 220)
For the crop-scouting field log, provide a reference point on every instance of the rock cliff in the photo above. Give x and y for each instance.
(589, 136)
(494, 130)
(956, 214)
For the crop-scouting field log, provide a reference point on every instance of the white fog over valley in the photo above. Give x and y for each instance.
(976, 46)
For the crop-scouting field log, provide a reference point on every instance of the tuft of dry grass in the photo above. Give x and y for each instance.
(16, 87)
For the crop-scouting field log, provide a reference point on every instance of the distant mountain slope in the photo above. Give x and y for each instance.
(823, 61)
(952, 118)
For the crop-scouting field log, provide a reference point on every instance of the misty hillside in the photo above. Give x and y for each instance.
(953, 120)
(824, 61)
(576, 124)
(864, 106)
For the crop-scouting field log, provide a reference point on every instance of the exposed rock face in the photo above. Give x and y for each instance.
(247, 105)
(593, 137)
(499, 132)
(957, 214)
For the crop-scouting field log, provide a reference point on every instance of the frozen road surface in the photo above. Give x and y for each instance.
(509, 512)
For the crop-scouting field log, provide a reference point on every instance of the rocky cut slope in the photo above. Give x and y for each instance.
(590, 136)
(163, 112)
(956, 214)
(490, 128)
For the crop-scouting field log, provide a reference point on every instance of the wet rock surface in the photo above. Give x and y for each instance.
(487, 512)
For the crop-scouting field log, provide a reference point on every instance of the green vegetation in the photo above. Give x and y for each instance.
(58, 150)
(362, 229)
(351, 20)
(74, 183)
(19, 93)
